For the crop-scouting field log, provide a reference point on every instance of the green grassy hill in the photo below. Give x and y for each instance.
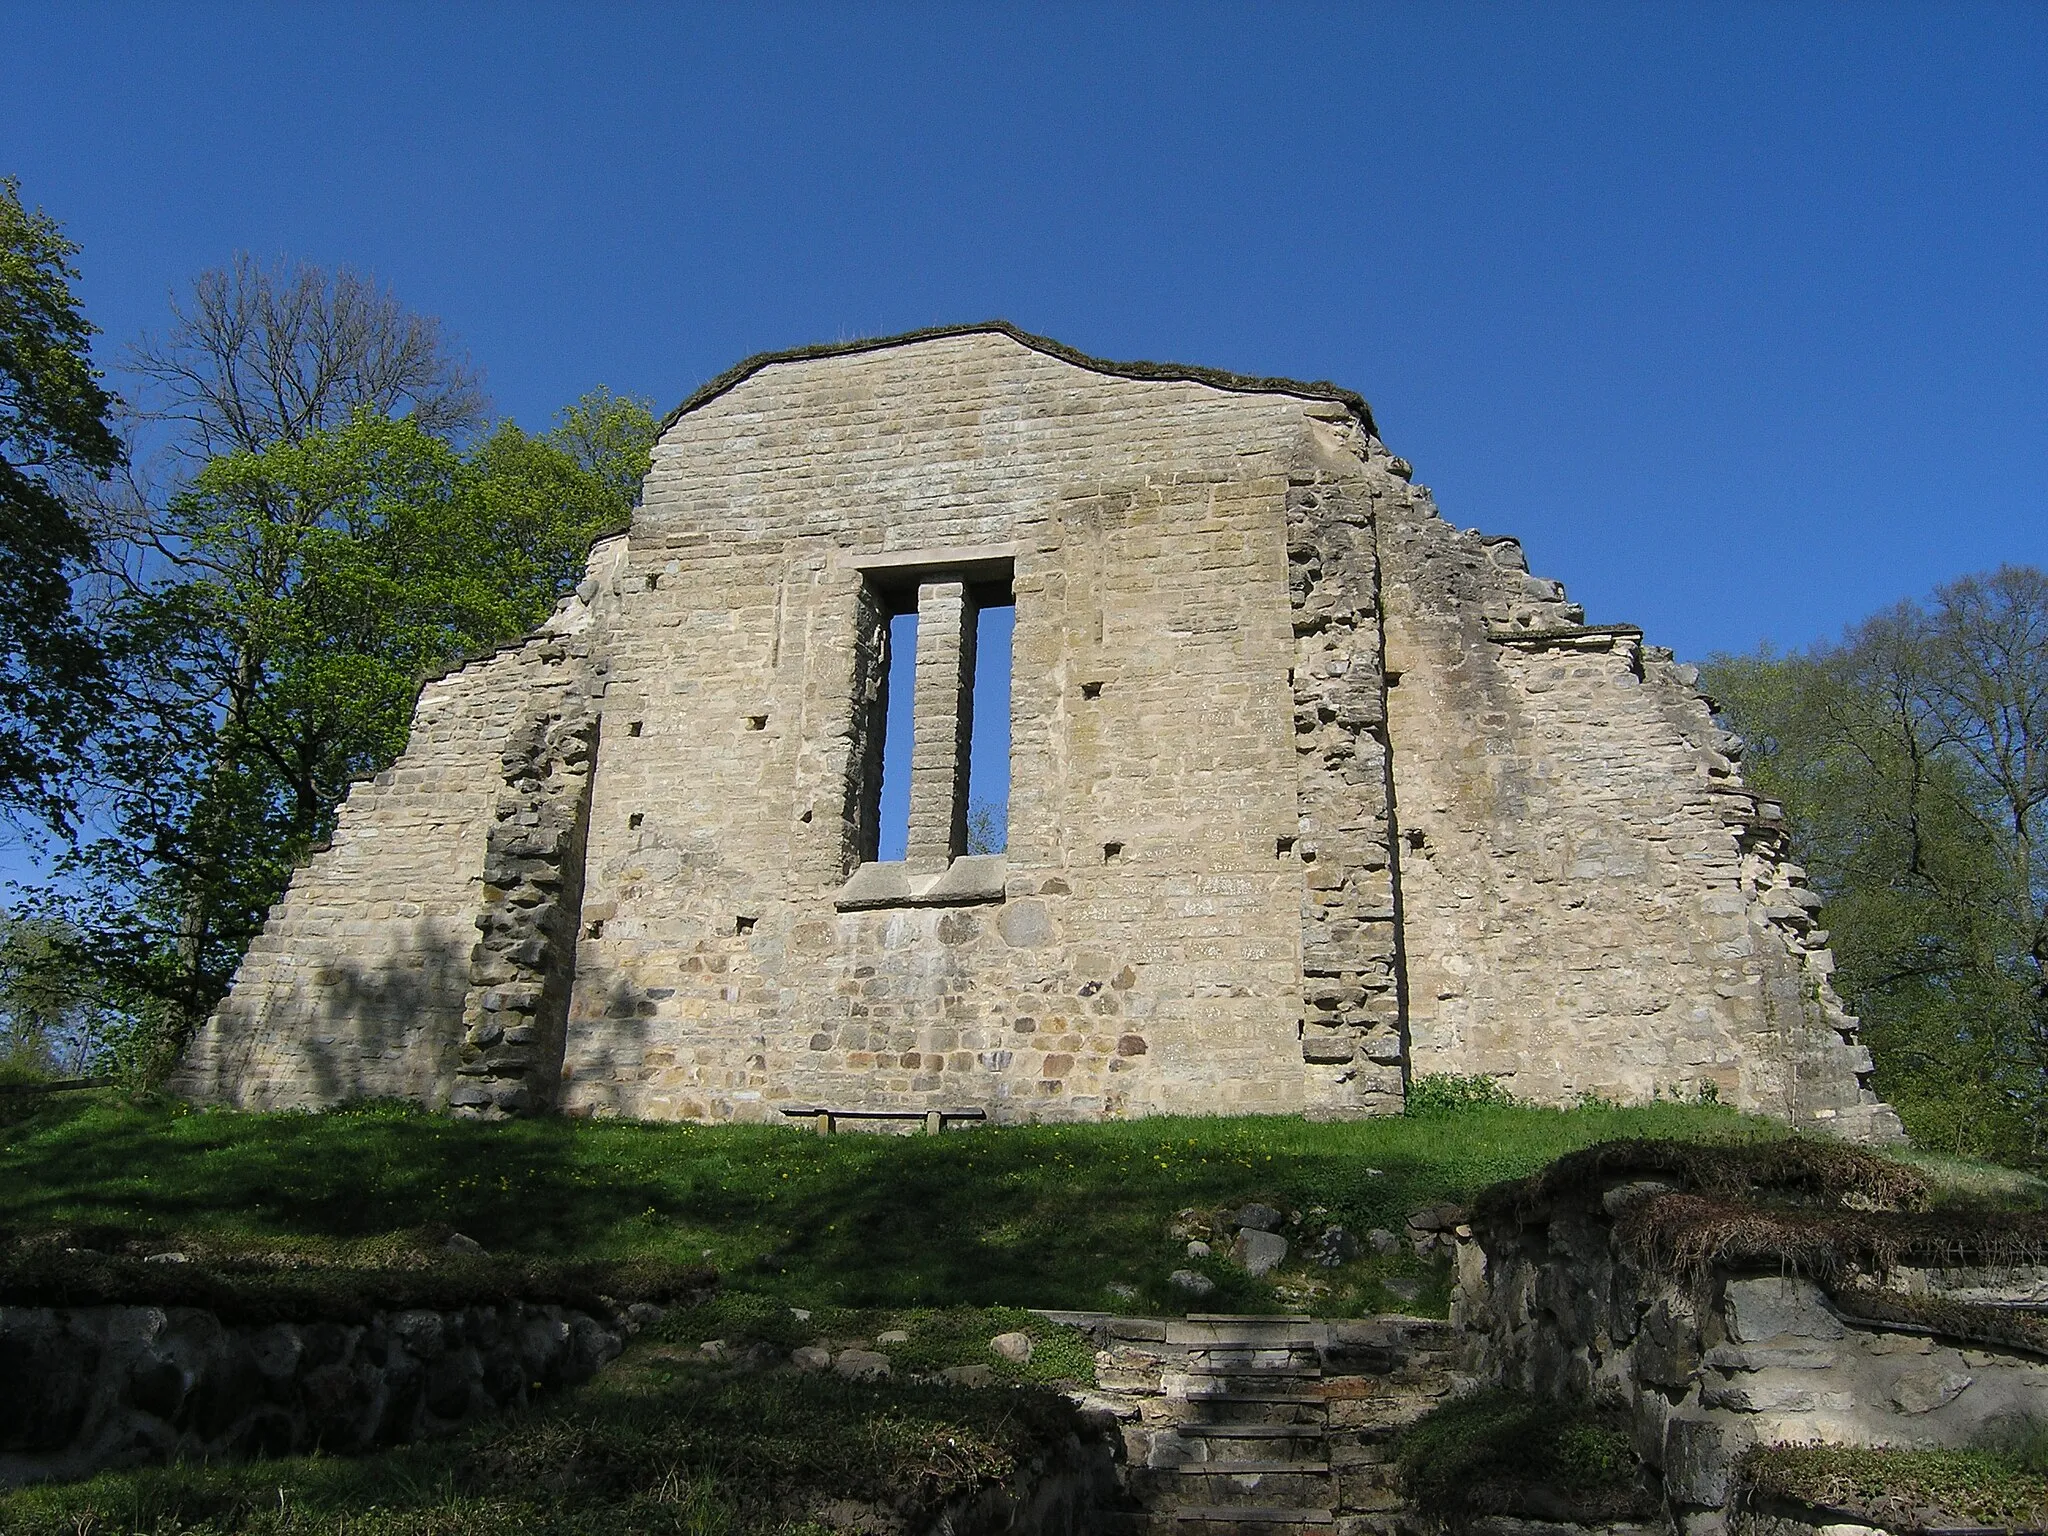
(1046, 1216)
(943, 1237)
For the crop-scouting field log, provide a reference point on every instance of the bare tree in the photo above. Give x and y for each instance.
(258, 355)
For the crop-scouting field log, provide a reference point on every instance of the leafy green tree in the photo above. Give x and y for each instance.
(612, 437)
(53, 425)
(275, 659)
(1912, 761)
(55, 1017)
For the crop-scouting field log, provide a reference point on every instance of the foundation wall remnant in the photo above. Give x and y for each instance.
(1309, 791)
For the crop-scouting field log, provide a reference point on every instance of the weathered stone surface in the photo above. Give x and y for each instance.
(1257, 1217)
(861, 1364)
(1925, 1390)
(1259, 1252)
(1774, 1306)
(89, 1388)
(1336, 1246)
(1014, 1347)
(1309, 787)
(1191, 1281)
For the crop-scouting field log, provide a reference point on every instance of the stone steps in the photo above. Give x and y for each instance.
(1266, 1425)
(1255, 1399)
(1219, 1520)
(1209, 1431)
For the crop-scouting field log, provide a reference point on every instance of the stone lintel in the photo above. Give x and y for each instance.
(975, 564)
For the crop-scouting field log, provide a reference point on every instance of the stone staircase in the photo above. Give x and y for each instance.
(1264, 1425)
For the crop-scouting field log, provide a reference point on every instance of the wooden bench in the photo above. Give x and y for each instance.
(934, 1119)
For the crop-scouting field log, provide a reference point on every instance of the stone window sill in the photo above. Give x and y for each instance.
(967, 881)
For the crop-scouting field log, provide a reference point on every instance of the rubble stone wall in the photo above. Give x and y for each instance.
(1714, 1365)
(92, 1388)
(361, 984)
(355, 987)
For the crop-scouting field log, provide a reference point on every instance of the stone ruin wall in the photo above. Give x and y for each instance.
(1143, 953)
(364, 979)
(1223, 892)
(1592, 901)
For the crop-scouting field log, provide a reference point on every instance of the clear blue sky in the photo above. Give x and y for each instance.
(1735, 313)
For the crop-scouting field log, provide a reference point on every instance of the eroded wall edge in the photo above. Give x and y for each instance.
(360, 981)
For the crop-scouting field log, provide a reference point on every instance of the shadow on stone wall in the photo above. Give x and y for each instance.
(344, 1028)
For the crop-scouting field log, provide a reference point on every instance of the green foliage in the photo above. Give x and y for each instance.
(658, 1443)
(53, 426)
(611, 437)
(1446, 1093)
(1995, 1486)
(987, 826)
(55, 1017)
(1912, 762)
(1045, 1216)
(309, 588)
(1502, 1453)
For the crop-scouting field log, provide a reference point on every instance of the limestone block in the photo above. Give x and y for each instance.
(1770, 1307)
(861, 1364)
(1259, 1252)
(1930, 1387)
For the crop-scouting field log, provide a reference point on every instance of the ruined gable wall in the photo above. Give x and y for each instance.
(1146, 956)
(1591, 901)
(355, 986)
(358, 983)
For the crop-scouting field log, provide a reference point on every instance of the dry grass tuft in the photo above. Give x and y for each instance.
(1959, 1321)
(1795, 1168)
(1689, 1234)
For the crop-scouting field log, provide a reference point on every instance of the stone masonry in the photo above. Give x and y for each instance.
(1310, 791)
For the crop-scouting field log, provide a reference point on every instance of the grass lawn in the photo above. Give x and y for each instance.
(941, 1237)
(660, 1442)
(1048, 1216)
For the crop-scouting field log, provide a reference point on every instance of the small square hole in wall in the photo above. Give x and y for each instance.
(633, 727)
(744, 925)
(757, 722)
(595, 930)
(635, 819)
(653, 580)
(1393, 679)
(1112, 853)
(1283, 847)
(1091, 690)
(1416, 840)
